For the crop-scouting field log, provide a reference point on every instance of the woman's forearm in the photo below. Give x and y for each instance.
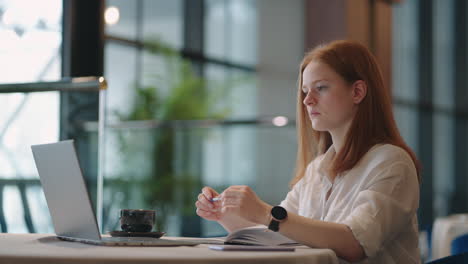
(321, 234)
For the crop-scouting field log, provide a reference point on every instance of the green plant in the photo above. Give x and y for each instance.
(169, 188)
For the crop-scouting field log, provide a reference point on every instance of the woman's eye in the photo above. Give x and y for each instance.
(321, 88)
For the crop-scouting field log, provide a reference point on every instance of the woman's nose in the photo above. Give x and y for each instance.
(310, 99)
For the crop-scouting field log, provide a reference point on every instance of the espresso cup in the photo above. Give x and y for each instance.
(137, 220)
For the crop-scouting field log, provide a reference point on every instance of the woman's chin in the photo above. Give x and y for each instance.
(318, 127)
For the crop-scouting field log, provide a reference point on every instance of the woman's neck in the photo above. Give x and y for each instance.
(338, 136)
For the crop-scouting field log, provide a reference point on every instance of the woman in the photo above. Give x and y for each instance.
(356, 188)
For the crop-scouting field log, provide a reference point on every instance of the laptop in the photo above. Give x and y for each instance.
(68, 200)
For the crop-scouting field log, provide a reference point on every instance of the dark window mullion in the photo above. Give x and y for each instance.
(139, 36)
(82, 55)
(425, 116)
(459, 200)
(193, 42)
(194, 31)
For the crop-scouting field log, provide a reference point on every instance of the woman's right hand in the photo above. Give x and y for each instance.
(205, 208)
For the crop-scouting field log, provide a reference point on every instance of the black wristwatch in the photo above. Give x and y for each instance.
(278, 215)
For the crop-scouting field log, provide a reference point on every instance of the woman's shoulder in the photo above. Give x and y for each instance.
(388, 153)
(386, 156)
(390, 163)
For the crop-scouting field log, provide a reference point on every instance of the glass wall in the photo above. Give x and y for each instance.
(444, 104)
(429, 88)
(31, 35)
(405, 79)
(157, 73)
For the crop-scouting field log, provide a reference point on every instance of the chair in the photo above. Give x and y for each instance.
(459, 245)
(455, 259)
(459, 251)
(445, 230)
(425, 243)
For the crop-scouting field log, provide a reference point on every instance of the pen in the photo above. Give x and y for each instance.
(215, 199)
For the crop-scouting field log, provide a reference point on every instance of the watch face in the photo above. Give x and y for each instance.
(279, 212)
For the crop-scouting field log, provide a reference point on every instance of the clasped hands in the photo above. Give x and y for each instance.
(235, 202)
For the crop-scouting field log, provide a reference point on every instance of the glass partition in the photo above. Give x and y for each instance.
(163, 166)
(177, 60)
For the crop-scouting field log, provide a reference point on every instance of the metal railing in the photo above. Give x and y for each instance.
(76, 84)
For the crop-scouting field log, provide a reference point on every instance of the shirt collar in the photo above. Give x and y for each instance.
(326, 162)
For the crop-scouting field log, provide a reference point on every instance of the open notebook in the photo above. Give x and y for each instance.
(255, 236)
(259, 236)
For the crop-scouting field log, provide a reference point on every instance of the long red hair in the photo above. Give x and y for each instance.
(373, 123)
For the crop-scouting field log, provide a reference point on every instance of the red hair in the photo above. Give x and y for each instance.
(373, 123)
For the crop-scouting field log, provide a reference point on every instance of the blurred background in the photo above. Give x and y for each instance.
(203, 92)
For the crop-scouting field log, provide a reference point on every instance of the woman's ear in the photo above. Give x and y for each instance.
(359, 91)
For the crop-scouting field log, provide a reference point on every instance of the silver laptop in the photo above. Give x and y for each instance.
(68, 200)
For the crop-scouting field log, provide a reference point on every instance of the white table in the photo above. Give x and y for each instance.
(46, 248)
(444, 231)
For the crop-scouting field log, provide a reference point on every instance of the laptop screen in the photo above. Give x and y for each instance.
(65, 190)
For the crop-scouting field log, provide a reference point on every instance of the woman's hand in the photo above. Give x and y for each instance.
(207, 209)
(241, 201)
(238, 207)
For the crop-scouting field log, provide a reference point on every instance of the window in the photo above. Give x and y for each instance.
(429, 80)
(31, 35)
(226, 58)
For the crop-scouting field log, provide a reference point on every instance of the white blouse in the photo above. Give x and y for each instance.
(377, 199)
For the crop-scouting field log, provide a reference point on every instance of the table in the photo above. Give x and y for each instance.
(444, 231)
(46, 248)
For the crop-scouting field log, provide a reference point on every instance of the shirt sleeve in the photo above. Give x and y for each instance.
(385, 207)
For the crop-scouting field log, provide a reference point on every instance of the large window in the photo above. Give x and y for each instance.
(429, 84)
(31, 37)
(219, 40)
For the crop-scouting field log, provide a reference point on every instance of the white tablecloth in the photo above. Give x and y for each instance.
(444, 231)
(46, 248)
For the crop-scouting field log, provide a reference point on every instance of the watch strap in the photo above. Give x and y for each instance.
(274, 225)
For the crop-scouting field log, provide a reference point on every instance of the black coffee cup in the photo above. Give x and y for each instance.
(137, 220)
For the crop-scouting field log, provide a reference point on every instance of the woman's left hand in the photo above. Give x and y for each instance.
(242, 201)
